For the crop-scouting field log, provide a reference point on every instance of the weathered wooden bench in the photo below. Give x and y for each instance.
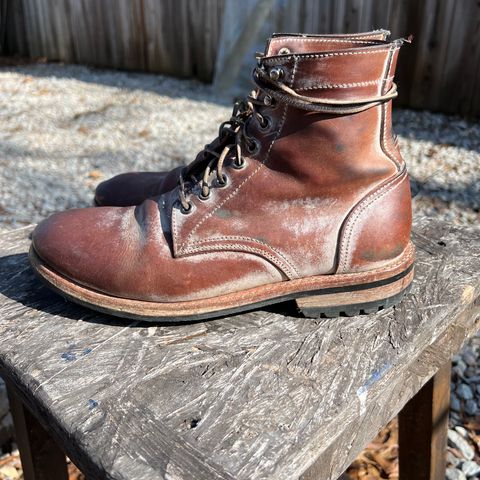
(264, 395)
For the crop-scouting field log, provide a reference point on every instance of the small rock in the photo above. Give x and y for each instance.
(462, 431)
(460, 367)
(454, 474)
(470, 372)
(471, 408)
(455, 418)
(464, 392)
(458, 442)
(455, 403)
(469, 358)
(471, 469)
(474, 379)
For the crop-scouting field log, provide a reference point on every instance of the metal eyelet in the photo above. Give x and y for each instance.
(276, 73)
(203, 197)
(284, 51)
(255, 148)
(241, 165)
(188, 210)
(269, 101)
(224, 182)
(268, 124)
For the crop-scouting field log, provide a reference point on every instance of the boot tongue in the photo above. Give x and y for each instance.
(287, 44)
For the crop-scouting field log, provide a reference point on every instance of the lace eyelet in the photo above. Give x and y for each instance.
(268, 124)
(188, 210)
(276, 73)
(254, 147)
(241, 165)
(203, 197)
(284, 51)
(224, 182)
(269, 102)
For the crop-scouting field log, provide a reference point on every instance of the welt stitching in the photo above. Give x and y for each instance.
(247, 239)
(367, 202)
(285, 267)
(232, 194)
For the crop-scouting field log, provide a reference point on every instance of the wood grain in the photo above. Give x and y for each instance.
(423, 428)
(261, 395)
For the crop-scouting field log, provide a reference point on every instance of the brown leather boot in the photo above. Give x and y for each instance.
(132, 188)
(305, 197)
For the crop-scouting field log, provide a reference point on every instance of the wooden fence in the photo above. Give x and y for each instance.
(199, 38)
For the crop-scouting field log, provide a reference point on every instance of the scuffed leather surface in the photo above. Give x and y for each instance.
(125, 252)
(378, 228)
(281, 217)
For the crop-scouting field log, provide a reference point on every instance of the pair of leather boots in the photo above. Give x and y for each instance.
(303, 196)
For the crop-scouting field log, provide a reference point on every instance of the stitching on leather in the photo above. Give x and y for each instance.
(369, 200)
(341, 85)
(310, 56)
(367, 36)
(365, 203)
(384, 143)
(344, 252)
(182, 248)
(325, 40)
(246, 239)
(285, 267)
(234, 192)
(174, 224)
(374, 34)
(386, 148)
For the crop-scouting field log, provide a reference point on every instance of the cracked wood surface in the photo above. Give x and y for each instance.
(261, 395)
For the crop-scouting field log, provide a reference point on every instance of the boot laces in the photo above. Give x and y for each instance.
(233, 136)
(233, 132)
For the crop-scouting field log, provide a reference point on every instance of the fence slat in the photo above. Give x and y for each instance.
(441, 71)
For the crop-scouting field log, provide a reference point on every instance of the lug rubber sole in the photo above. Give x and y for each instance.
(317, 296)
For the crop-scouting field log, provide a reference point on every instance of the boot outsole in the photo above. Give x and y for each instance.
(353, 310)
(315, 297)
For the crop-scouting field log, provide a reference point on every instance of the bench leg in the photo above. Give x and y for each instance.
(41, 458)
(423, 427)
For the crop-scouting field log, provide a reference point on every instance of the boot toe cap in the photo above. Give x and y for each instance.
(76, 244)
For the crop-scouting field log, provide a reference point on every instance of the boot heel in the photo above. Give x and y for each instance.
(358, 301)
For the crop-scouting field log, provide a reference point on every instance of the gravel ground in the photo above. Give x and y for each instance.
(63, 129)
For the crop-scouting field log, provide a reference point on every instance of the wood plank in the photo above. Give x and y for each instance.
(41, 457)
(261, 395)
(423, 427)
